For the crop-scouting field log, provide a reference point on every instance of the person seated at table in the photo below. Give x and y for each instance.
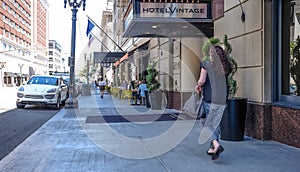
(142, 88)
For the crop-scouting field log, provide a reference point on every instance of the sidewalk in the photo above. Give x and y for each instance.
(8, 98)
(81, 140)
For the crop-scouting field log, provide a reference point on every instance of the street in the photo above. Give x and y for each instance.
(18, 124)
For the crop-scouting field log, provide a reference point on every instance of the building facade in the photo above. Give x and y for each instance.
(55, 58)
(23, 40)
(266, 74)
(15, 40)
(40, 35)
(263, 35)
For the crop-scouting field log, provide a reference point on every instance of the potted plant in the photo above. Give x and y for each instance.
(206, 48)
(232, 125)
(153, 86)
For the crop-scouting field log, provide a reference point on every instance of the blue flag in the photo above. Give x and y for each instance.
(91, 38)
(90, 26)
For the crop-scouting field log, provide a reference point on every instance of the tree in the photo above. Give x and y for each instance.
(83, 72)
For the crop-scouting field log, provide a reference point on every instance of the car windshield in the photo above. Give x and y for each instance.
(43, 80)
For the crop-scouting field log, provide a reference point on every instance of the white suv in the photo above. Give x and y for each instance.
(46, 90)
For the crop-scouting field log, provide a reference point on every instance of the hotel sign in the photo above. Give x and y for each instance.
(174, 10)
(168, 18)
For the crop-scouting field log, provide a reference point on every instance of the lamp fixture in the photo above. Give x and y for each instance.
(75, 4)
(243, 17)
(184, 27)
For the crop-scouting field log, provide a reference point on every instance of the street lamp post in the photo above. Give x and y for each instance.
(72, 101)
(21, 66)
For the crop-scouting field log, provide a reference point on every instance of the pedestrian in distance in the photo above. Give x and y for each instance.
(212, 83)
(101, 85)
(95, 86)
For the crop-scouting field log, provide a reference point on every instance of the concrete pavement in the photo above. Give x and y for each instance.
(8, 96)
(83, 140)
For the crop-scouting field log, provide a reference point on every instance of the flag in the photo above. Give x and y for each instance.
(91, 38)
(89, 28)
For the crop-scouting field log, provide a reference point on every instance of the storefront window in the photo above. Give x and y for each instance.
(288, 49)
(292, 83)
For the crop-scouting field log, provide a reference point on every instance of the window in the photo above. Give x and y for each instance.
(287, 51)
(50, 45)
(4, 46)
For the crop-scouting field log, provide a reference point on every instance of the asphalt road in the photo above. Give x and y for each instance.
(18, 124)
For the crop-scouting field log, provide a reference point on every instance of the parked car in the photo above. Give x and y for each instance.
(66, 78)
(78, 85)
(46, 90)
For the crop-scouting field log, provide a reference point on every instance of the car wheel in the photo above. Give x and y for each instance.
(21, 106)
(57, 105)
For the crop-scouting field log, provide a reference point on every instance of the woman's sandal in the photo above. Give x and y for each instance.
(210, 147)
(217, 154)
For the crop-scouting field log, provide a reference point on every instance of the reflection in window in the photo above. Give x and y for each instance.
(294, 60)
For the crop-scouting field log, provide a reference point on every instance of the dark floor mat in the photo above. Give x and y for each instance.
(136, 118)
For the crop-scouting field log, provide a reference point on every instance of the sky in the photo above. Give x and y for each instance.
(60, 22)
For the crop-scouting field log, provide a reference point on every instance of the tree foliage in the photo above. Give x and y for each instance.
(295, 63)
(206, 48)
(232, 84)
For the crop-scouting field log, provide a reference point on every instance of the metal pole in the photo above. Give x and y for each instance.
(2, 80)
(72, 101)
(88, 71)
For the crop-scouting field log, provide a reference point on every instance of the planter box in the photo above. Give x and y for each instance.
(156, 100)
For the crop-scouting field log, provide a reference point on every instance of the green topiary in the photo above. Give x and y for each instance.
(152, 82)
(206, 48)
(232, 84)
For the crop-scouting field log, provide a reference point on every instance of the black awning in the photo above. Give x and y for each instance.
(107, 57)
(10, 74)
(151, 27)
(25, 75)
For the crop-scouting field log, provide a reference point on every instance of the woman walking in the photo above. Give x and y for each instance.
(213, 85)
(102, 85)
